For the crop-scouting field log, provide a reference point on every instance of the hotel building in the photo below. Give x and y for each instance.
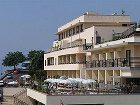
(105, 48)
(94, 46)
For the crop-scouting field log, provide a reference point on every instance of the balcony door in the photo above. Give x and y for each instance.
(128, 56)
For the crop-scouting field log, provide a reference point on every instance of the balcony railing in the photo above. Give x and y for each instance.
(126, 34)
(81, 62)
(87, 46)
(68, 45)
(117, 36)
(119, 62)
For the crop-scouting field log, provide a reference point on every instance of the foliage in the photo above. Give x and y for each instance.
(46, 87)
(13, 59)
(37, 64)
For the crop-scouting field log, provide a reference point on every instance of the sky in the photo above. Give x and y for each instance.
(31, 24)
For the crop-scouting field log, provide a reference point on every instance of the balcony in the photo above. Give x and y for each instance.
(118, 63)
(66, 66)
(81, 62)
(66, 46)
(117, 38)
(126, 34)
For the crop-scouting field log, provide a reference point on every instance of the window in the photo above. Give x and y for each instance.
(62, 36)
(81, 28)
(59, 38)
(73, 31)
(45, 62)
(77, 29)
(55, 61)
(67, 33)
(48, 61)
(124, 25)
(70, 32)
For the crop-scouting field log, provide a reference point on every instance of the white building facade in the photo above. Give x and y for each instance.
(105, 48)
(94, 46)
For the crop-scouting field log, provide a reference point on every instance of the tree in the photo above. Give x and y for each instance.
(37, 63)
(13, 59)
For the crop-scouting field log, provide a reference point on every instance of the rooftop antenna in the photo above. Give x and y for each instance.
(123, 12)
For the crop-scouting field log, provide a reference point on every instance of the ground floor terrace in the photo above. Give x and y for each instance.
(101, 76)
(83, 99)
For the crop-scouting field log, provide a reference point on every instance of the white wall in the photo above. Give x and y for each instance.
(63, 66)
(107, 18)
(114, 43)
(41, 97)
(106, 31)
(96, 18)
(95, 99)
(84, 99)
(86, 34)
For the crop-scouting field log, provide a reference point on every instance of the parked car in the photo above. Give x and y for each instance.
(12, 83)
(2, 83)
(9, 77)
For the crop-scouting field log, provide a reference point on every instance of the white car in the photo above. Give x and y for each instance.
(1, 83)
(13, 83)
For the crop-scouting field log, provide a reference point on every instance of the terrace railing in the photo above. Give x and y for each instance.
(76, 62)
(65, 46)
(118, 62)
(126, 34)
(87, 46)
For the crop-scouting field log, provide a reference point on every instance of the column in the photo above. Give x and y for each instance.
(70, 59)
(105, 76)
(113, 77)
(98, 76)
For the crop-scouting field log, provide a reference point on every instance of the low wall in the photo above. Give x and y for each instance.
(95, 99)
(108, 99)
(41, 97)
